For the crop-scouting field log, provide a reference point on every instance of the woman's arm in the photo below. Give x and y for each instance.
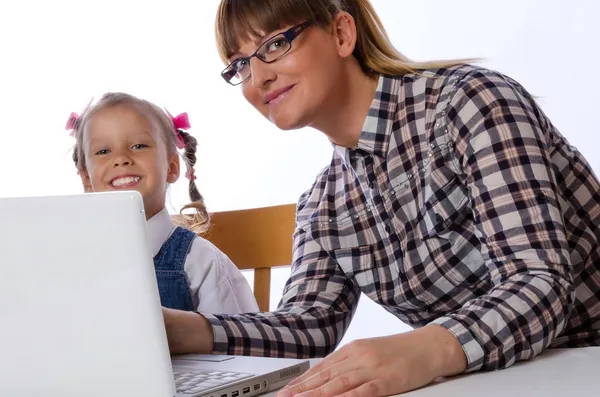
(502, 144)
(317, 306)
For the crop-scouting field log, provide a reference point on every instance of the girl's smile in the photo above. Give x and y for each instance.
(125, 181)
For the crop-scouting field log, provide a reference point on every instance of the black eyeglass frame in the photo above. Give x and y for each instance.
(289, 35)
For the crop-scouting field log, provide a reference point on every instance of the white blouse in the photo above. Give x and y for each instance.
(216, 284)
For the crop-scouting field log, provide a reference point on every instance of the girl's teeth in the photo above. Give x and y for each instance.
(125, 181)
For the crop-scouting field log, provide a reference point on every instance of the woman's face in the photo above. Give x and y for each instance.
(293, 91)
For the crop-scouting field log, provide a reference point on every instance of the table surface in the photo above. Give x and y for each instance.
(554, 373)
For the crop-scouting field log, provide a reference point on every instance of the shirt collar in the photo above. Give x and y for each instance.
(159, 227)
(377, 127)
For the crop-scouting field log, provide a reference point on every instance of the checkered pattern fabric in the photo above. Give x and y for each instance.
(461, 205)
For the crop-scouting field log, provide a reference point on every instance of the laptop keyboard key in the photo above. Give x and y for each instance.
(197, 381)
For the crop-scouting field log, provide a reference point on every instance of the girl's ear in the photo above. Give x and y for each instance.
(174, 167)
(85, 181)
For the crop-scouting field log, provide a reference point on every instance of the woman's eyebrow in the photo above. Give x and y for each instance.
(257, 39)
(234, 57)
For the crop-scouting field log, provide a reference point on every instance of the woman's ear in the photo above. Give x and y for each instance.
(174, 168)
(85, 181)
(344, 29)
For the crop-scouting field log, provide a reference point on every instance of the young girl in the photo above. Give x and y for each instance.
(127, 143)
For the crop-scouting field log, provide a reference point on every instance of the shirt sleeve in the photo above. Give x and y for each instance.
(217, 284)
(502, 141)
(317, 306)
(225, 289)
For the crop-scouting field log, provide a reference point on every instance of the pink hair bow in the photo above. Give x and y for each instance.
(181, 122)
(71, 122)
(73, 118)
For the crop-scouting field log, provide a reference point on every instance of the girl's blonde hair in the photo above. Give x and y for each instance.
(238, 20)
(199, 222)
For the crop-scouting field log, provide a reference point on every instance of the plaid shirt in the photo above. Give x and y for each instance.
(461, 205)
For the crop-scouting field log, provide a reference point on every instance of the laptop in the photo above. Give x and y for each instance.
(80, 310)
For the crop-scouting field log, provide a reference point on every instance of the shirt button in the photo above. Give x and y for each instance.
(370, 185)
(387, 229)
(541, 197)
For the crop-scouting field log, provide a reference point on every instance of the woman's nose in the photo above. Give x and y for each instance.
(261, 73)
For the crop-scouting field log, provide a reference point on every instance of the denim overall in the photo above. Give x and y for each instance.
(170, 274)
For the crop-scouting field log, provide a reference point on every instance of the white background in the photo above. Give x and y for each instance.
(55, 55)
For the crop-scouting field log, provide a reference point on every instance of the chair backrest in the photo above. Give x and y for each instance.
(257, 238)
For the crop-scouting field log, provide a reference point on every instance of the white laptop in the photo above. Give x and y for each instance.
(80, 312)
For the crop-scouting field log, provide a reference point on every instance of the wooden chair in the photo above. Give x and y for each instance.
(257, 238)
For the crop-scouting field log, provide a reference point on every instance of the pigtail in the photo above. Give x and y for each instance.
(199, 222)
(75, 156)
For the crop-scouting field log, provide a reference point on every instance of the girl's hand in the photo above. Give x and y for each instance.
(383, 366)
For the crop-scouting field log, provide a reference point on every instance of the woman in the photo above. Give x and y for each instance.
(451, 200)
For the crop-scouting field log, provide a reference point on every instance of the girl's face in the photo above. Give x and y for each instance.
(294, 91)
(124, 151)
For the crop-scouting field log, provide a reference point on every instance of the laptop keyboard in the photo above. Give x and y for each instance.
(198, 381)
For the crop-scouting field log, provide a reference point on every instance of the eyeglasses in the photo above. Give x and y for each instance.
(271, 50)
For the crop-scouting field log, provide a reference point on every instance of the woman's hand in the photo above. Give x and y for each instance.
(383, 366)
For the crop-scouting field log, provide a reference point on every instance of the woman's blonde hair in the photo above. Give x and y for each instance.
(238, 20)
(198, 222)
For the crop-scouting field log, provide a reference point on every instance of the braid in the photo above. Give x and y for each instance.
(76, 156)
(200, 222)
